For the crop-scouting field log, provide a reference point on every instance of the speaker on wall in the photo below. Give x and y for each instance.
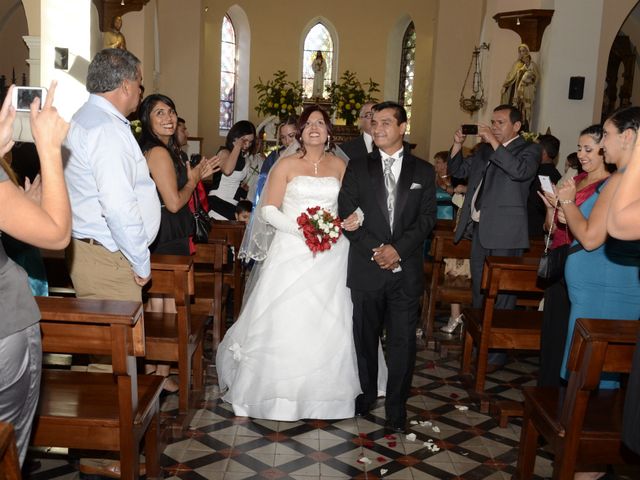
(576, 88)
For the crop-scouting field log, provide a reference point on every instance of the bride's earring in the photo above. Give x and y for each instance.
(326, 145)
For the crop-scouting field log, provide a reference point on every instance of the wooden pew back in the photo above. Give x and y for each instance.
(233, 233)
(99, 411)
(176, 337)
(209, 297)
(489, 327)
(9, 462)
(581, 423)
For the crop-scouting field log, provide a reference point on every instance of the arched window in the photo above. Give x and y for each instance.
(407, 69)
(228, 73)
(317, 40)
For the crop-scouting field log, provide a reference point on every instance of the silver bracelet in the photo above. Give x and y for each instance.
(566, 202)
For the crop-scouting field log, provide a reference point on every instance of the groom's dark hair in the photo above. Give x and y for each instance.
(398, 110)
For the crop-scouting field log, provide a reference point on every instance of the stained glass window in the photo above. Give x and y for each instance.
(228, 73)
(407, 69)
(317, 40)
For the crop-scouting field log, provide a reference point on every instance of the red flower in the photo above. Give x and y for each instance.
(320, 228)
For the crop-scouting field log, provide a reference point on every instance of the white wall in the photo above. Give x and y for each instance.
(71, 25)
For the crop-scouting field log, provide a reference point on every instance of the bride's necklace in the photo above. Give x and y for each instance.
(315, 164)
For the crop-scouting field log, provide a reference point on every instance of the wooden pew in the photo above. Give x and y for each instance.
(488, 327)
(209, 296)
(581, 423)
(447, 290)
(176, 337)
(233, 273)
(9, 463)
(441, 288)
(98, 411)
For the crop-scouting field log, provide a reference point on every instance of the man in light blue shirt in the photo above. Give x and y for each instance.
(115, 206)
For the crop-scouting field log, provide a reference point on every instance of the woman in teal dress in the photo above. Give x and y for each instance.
(602, 279)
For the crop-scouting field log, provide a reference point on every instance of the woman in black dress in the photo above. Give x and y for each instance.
(175, 181)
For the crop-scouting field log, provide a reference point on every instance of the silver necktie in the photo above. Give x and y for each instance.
(390, 184)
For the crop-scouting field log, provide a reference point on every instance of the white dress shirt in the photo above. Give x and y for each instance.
(368, 141)
(113, 198)
(397, 165)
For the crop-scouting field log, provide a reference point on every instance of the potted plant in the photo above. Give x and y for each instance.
(348, 95)
(279, 96)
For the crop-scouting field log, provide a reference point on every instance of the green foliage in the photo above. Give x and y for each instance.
(279, 96)
(348, 95)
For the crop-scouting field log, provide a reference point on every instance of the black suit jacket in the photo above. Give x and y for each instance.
(355, 148)
(415, 216)
(511, 169)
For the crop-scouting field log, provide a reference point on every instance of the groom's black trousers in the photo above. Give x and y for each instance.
(389, 307)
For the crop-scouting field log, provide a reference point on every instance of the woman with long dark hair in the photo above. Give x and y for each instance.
(175, 181)
(226, 192)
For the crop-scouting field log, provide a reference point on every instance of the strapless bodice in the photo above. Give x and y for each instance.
(304, 191)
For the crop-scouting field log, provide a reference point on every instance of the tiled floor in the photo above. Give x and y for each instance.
(470, 445)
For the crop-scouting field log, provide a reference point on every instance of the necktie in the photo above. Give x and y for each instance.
(478, 203)
(390, 185)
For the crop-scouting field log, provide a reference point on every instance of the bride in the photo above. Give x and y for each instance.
(291, 355)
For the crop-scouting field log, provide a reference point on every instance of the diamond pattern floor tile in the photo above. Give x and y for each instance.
(219, 445)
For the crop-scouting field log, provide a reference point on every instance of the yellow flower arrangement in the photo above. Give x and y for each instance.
(279, 96)
(136, 128)
(348, 96)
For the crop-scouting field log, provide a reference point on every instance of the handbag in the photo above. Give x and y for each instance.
(201, 221)
(552, 262)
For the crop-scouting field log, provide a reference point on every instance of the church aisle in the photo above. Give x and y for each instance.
(471, 445)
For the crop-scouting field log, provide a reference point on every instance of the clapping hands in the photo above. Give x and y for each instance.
(205, 168)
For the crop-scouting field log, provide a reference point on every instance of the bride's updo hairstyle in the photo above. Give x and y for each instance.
(302, 123)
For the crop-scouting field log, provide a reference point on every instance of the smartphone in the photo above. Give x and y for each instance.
(470, 129)
(545, 183)
(23, 96)
(195, 159)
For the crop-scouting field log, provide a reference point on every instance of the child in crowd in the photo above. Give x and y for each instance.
(243, 211)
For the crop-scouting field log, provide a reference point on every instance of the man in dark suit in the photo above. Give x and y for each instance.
(396, 192)
(494, 213)
(550, 146)
(362, 145)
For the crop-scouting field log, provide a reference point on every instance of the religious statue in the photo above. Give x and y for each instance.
(319, 67)
(113, 38)
(509, 86)
(526, 81)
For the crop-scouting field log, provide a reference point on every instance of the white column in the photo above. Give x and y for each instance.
(33, 44)
(72, 25)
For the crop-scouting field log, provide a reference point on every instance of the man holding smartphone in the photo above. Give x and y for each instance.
(494, 213)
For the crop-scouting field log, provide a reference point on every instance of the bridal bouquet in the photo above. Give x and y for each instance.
(320, 228)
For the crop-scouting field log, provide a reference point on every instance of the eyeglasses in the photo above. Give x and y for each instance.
(368, 115)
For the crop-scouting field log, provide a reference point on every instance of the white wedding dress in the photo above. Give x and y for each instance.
(290, 355)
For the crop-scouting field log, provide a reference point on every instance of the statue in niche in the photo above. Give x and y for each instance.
(526, 82)
(509, 86)
(113, 38)
(319, 67)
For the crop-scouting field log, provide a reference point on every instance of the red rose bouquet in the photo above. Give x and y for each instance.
(321, 229)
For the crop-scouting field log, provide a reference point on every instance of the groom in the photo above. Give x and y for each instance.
(396, 192)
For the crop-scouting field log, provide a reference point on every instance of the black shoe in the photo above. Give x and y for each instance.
(362, 406)
(399, 426)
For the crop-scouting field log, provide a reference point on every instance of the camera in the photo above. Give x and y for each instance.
(22, 97)
(469, 129)
(195, 159)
